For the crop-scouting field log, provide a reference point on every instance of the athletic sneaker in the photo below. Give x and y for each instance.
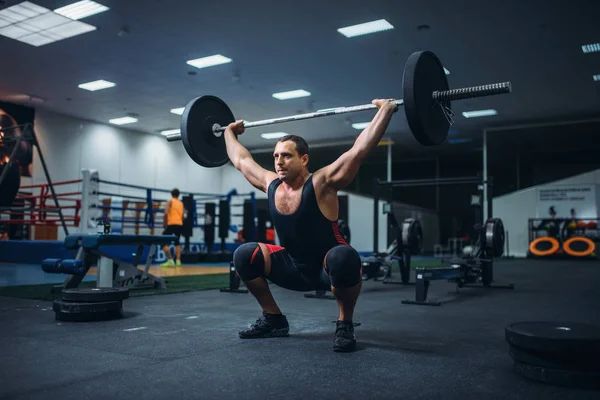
(344, 337)
(168, 263)
(178, 263)
(267, 326)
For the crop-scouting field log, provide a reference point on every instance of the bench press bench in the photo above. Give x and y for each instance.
(111, 272)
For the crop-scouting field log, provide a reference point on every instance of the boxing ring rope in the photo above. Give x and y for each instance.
(34, 209)
(139, 213)
(90, 209)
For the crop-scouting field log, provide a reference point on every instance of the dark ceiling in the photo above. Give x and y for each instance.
(143, 47)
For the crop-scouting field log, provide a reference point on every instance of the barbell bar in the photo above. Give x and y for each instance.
(427, 105)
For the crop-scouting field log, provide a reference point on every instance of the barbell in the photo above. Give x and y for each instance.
(427, 105)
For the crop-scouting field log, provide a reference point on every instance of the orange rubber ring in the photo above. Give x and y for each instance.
(584, 253)
(552, 250)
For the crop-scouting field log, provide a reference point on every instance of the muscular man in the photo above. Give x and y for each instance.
(173, 224)
(304, 210)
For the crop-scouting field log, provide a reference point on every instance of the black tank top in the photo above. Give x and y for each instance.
(306, 234)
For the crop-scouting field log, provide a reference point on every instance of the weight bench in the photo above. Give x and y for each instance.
(111, 272)
(465, 272)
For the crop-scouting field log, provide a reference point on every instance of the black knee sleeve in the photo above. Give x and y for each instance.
(343, 265)
(249, 261)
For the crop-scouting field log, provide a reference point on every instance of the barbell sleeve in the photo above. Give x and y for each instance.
(471, 92)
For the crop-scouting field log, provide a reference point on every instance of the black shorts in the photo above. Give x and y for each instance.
(286, 274)
(174, 230)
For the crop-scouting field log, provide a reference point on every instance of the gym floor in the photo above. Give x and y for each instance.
(186, 345)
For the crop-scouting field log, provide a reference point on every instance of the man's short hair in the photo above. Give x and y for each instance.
(301, 145)
(175, 193)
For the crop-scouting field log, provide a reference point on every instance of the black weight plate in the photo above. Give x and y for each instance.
(95, 295)
(495, 236)
(555, 337)
(549, 360)
(87, 312)
(197, 135)
(559, 377)
(10, 185)
(423, 75)
(412, 235)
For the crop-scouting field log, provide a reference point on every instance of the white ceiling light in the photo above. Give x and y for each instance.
(81, 9)
(597, 77)
(479, 113)
(170, 132)
(209, 61)
(37, 26)
(590, 48)
(178, 111)
(20, 12)
(366, 28)
(292, 94)
(360, 125)
(96, 85)
(123, 120)
(274, 135)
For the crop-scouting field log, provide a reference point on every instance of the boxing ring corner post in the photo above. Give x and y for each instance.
(89, 191)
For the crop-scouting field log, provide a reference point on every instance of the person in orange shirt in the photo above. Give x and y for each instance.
(173, 224)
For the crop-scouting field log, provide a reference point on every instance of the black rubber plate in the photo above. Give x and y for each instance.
(494, 236)
(569, 338)
(424, 74)
(95, 295)
(559, 377)
(197, 135)
(87, 312)
(412, 235)
(549, 360)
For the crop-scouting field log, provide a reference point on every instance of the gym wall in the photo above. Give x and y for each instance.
(516, 208)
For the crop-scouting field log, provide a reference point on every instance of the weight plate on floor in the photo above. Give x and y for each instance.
(423, 75)
(557, 361)
(559, 377)
(569, 338)
(87, 312)
(201, 144)
(95, 295)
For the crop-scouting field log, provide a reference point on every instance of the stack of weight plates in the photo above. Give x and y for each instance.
(556, 353)
(90, 304)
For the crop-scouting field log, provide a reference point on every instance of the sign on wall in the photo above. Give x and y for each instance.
(565, 198)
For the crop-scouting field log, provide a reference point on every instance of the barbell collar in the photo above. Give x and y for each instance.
(173, 137)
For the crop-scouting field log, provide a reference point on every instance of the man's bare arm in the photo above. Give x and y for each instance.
(342, 171)
(242, 159)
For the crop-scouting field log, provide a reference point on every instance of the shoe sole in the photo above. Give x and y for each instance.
(273, 334)
(345, 349)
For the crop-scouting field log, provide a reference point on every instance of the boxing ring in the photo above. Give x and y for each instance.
(214, 223)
